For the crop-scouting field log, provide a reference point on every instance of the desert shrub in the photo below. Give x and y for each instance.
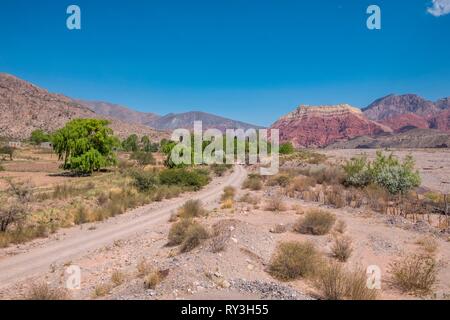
(302, 183)
(228, 193)
(195, 178)
(279, 180)
(341, 248)
(151, 280)
(193, 237)
(415, 273)
(42, 291)
(334, 196)
(81, 215)
(316, 222)
(191, 209)
(117, 277)
(219, 238)
(144, 180)
(275, 204)
(178, 232)
(340, 226)
(12, 214)
(101, 290)
(286, 148)
(357, 172)
(1, 167)
(386, 171)
(278, 228)
(102, 199)
(143, 268)
(143, 158)
(227, 204)
(248, 198)
(253, 182)
(336, 283)
(324, 174)
(377, 197)
(220, 169)
(428, 244)
(5, 239)
(293, 260)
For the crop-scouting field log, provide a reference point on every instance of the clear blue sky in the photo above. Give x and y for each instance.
(252, 60)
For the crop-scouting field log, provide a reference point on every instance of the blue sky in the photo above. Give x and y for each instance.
(253, 60)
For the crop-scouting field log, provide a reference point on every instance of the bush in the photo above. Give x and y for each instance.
(386, 171)
(316, 222)
(143, 158)
(279, 180)
(81, 216)
(327, 174)
(416, 273)
(191, 209)
(293, 260)
(143, 268)
(340, 226)
(228, 193)
(42, 291)
(144, 180)
(152, 280)
(195, 178)
(286, 148)
(102, 290)
(248, 198)
(227, 204)
(336, 283)
(220, 169)
(341, 248)
(193, 237)
(276, 204)
(178, 232)
(253, 182)
(117, 278)
(302, 183)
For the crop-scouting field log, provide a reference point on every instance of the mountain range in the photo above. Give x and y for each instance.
(395, 120)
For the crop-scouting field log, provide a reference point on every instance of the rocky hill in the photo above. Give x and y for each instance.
(309, 126)
(409, 111)
(124, 114)
(25, 107)
(186, 120)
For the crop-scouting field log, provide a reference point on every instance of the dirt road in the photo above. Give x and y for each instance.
(39, 260)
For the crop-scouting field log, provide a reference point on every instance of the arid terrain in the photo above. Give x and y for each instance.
(128, 256)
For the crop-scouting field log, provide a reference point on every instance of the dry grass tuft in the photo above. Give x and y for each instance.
(191, 209)
(340, 226)
(43, 291)
(117, 278)
(276, 203)
(293, 260)
(415, 273)
(428, 244)
(315, 222)
(341, 249)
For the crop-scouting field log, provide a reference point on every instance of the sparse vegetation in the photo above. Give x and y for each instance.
(253, 182)
(415, 273)
(341, 248)
(101, 290)
(340, 226)
(275, 204)
(117, 278)
(193, 237)
(151, 280)
(42, 291)
(143, 158)
(315, 222)
(293, 260)
(192, 209)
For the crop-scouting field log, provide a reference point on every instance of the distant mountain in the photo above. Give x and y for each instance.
(25, 107)
(413, 138)
(409, 111)
(310, 126)
(186, 121)
(119, 112)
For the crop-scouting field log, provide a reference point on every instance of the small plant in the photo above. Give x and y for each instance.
(178, 231)
(81, 216)
(248, 198)
(195, 234)
(253, 182)
(117, 278)
(276, 204)
(293, 260)
(191, 209)
(315, 222)
(428, 244)
(336, 283)
(281, 180)
(43, 291)
(151, 280)
(101, 290)
(143, 268)
(341, 248)
(340, 226)
(416, 273)
(227, 204)
(228, 193)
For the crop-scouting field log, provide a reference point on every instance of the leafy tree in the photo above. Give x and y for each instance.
(130, 144)
(286, 148)
(39, 136)
(147, 145)
(85, 145)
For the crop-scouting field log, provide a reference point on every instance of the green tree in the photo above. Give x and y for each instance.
(130, 144)
(39, 136)
(85, 145)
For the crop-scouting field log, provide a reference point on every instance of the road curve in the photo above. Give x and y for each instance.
(39, 260)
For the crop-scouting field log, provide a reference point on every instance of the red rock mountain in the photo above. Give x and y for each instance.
(409, 111)
(309, 126)
(25, 107)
